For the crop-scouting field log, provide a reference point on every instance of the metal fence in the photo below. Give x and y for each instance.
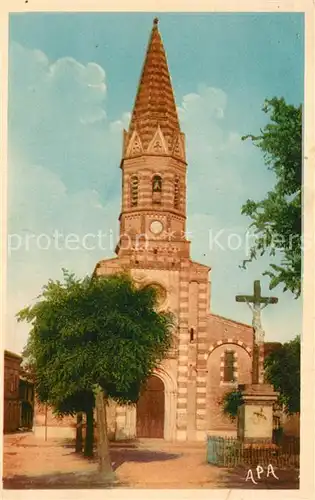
(230, 452)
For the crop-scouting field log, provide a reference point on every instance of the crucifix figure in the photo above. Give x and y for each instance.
(257, 303)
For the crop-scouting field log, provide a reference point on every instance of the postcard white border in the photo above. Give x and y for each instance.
(307, 396)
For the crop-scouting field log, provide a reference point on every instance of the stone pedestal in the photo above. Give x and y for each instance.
(255, 415)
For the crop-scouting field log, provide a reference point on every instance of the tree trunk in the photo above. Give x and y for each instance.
(78, 436)
(104, 460)
(89, 434)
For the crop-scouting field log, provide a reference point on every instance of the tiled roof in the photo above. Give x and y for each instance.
(224, 318)
(11, 354)
(155, 103)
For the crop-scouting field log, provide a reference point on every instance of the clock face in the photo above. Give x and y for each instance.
(156, 227)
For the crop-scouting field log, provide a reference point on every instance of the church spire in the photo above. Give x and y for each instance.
(155, 104)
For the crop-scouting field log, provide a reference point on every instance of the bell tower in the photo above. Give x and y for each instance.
(153, 251)
(153, 209)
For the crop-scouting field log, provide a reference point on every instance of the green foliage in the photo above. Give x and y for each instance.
(276, 220)
(231, 402)
(94, 332)
(282, 370)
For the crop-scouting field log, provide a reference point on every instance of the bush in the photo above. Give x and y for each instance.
(231, 402)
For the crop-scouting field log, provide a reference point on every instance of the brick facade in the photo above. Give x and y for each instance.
(154, 248)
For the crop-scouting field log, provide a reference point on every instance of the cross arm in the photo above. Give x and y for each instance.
(244, 298)
(268, 300)
(256, 300)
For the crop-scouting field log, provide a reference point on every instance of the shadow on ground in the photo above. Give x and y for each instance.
(91, 479)
(58, 480)
(136, 455)
(70, 443)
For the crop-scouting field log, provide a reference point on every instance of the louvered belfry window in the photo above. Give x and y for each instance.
(176, 193)
(156, 189)
(134, 190)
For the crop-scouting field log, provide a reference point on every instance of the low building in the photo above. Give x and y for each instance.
(12, 405)
(26, 391)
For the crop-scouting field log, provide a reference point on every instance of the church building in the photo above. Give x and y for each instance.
(211, 354)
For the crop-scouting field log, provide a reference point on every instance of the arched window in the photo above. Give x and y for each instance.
(229, 369)
(156, 189)
(134, 183)
(157, 184)
(176, 193)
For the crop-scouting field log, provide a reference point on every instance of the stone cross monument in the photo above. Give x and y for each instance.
(257, 303)
(255, 415)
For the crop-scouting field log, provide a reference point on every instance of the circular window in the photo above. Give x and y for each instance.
(156, 227)
(161, 293)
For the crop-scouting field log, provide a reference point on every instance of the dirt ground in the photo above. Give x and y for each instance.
(31, 463)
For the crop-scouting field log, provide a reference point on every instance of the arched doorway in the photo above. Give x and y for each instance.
(151, 409)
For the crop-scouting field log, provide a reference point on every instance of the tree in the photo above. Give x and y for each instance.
(282, 370)
(91, 340)
(77, 404)
(276, 220)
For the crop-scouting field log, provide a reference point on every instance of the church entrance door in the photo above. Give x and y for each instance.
(150, 410)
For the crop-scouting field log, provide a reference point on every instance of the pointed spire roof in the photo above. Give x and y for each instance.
(155, 104)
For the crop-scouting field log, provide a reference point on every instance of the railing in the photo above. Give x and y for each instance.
(230, 452)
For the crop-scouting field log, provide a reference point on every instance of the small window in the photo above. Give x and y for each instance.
(157, 184)
(229, 373)
(192, 335)
(134, 191)
(176, 193)
(156, 189)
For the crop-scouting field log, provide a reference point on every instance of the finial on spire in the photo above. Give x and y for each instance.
(155, 21)
(154, 104)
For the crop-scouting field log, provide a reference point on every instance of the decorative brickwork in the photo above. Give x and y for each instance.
(153, 247)
(155, 104)
(230, 341)
(154, 155)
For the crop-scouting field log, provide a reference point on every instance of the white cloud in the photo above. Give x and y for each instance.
(122, 123)
(57, 119)
(53, 229)
(63, 175)
(219, 161)
(223, 172)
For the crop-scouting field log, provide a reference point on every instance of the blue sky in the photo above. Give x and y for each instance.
(72, 83)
